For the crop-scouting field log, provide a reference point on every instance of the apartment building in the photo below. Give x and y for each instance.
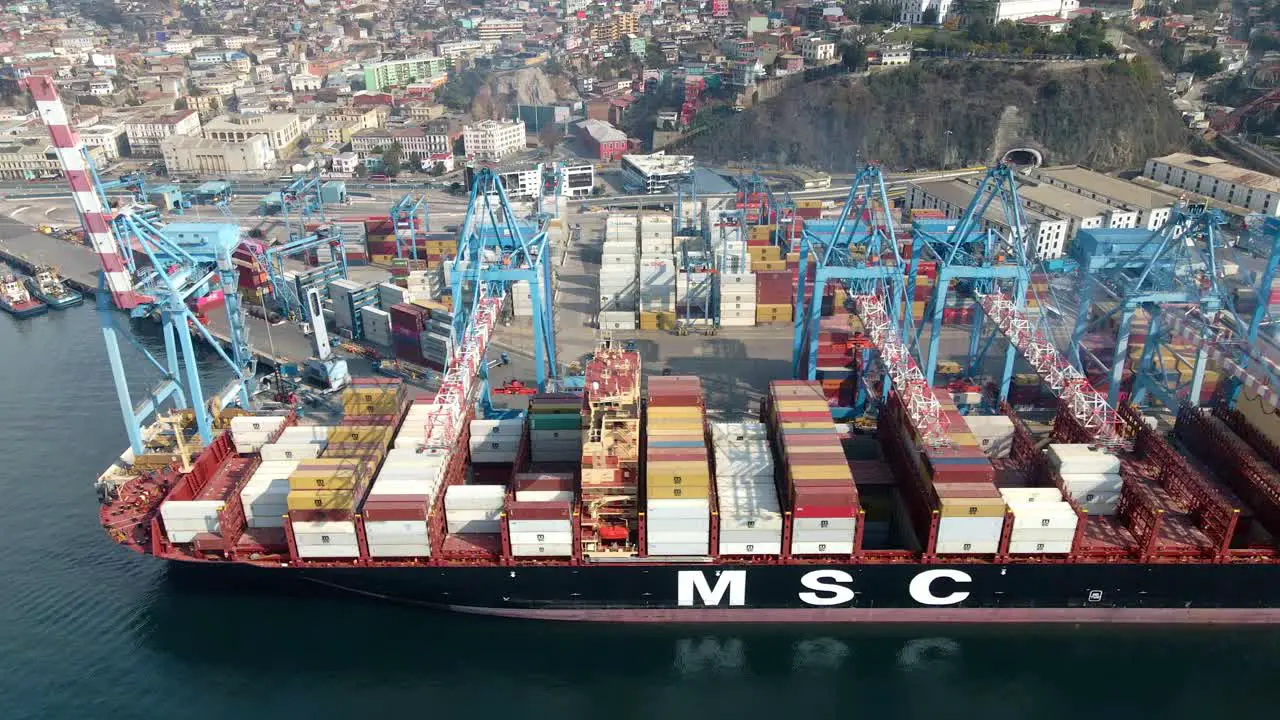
(282, 130)
(398, 73)
(415, 143)
(187, 154)
(493, 139)
(497, 28)
(144, 137)
(1047, 236)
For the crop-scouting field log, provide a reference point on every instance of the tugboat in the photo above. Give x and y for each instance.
(48, 285)
(15, 300)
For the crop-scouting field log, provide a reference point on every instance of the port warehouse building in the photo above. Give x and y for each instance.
(1218, 180)
(1059, 202)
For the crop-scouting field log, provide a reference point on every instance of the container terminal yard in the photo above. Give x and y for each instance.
(762, 409)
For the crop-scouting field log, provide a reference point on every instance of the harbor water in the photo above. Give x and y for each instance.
(89, 630)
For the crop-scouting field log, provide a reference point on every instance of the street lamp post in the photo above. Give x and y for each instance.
(946, 155)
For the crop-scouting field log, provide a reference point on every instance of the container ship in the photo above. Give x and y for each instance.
(49, 287)
(16, 300)
(624, 503)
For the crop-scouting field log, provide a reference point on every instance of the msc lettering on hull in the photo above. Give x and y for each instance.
(821, 588)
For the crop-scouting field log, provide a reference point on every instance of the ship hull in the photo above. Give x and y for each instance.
(874, 593)
(24, 310)
(59, 302)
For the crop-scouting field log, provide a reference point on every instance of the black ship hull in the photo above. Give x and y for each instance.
(879, 593)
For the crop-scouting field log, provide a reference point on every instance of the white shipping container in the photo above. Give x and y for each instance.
(544, 496)
(617, 320)
(539, 526)
(1042, 534)
(1037, 548)
(846, 524)
(664, 549)
(751, 536)
(1016, 496)
(800, 547)
(541, 538)
(664, 524)
(969, 529)
(675, 536)
(305, 434)
(545, 549)
(828, 535)
(277, 452)
(474, 527)
(473, 497)
(391, 531)
(328, 551)
(975, 547)
(1075, 459)
(677, 508)
(750, 548)
(737, 519)
(1056, 515)
(399, 550)
(1092, 482)
(487, 515)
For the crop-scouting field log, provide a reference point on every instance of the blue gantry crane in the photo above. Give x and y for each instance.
(184, 261)
(410, 220)
(285, 290)
(496, 250)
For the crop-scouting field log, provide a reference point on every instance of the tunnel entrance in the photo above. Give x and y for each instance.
(1024, 158)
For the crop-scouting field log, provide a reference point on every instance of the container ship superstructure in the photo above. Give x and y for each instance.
(16, 300)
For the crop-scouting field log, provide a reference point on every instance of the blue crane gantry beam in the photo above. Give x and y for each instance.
(1172, 269)
(971, 250)
(861, 255)
(496, 250)
(409, 220)
(273, 258)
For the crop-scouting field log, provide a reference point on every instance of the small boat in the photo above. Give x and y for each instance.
(15, 300)
(48, 285)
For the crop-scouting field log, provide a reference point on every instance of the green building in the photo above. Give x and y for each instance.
(378, 76)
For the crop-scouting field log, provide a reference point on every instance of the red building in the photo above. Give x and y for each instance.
(605, 141)
(720, 8)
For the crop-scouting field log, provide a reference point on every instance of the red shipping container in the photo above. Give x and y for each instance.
(544, 481)
(538, 510)
(321, 515)
(819, 458)
(964, 474)
(965, 490)
(810, 502)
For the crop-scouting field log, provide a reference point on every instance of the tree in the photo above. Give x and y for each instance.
(876, 13)
(550, 137)
(1204, 64)
(853, 56)
(392, 157)
(929, 16)
(361, 171)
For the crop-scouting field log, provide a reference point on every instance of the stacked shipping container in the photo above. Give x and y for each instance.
(619, 273)
(677, 470)
(1090, 476)
(817, 485)
(746, 491)
(540, 515)
(555, 428)
(657, 274)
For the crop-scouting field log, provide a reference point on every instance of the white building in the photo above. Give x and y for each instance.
(144, 137)
(304, 83)
(816, 50)
(493, 139)
(655, 173)
(108, 138)
(521, 182)
(496, 28)
(1047, 236)
(281, 130)
(891, 55)
(577, 180)
(465, 48)
(1152, 206)
(346, 163)
(1083, 213)
(203, 156)
(1018, 9)
(1217, 179)
(102, 87)
(911, 12)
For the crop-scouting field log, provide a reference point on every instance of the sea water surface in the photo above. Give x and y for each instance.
(90, 630)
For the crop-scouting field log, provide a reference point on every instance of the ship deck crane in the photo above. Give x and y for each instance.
(187, 260)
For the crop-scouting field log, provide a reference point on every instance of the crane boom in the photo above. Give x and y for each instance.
(922, 405)
(448, 408)
(1088, 406)
(89, 204)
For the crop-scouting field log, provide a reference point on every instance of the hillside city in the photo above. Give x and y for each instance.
(595, 97)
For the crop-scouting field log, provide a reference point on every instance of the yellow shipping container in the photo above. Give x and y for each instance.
(378, 259)
(672, 470)
(677, 493)
(304, 482)
(765, 252)
(321, 500)
(360, 434)
(675, 412)
(761, 232)
(972, 507)
(649, 320)
(801, 404)
(819, 472)
(688, 484)
(768, 265)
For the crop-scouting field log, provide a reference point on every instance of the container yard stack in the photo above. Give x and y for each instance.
(380, 240)
(775, 291)
(731, 250)
(1043, 523)
(389, 293)
(540, 515)
(657, 278)
(375, 326)
(619, 273)
(737, 299)
(498, 449)
(522, 296)
(425, 284)
(693, 294)
(746, 492)
(656, 238)
(610, 463)
(1090, 476)
(555, 428)
(819, 489)
(355, 239)
(677, 473)
(350, 298)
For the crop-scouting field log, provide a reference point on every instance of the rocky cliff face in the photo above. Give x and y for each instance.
(1105, 117)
